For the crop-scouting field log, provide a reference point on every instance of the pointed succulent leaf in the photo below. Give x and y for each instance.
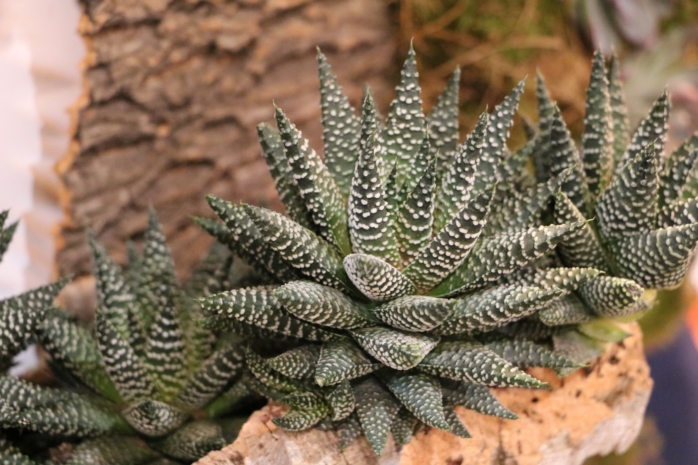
(297, 363)
(474, 397)
(567, 279)
(471, 361)
(455, 424)
(193, 441)
(450, 248)
(300, 248)
(405, 127)
(413, 225)
(568, 310)
(340, 361)
(266, 375)
(348, 430)
(420, 394)
(307, 409)
(678, 213)
(396, 349)
(564, 156)
(112, 450)
(581, 248)
(51, 412)
(597, 140)
(546, 113)
(229, 399)
(247, 241)
(74, 348)
(656, 259)
(340, 125)
(526, 354)
(259, 307)
(513, 169)
(457, 178)
(322, 198)
(611, 296)
(322, 305)
(214, 374)
(577, 347)
(629, 205)
(341, 400)
(377, 279)
(652, 129)
(20, 317)
(496, 307)
(523, 210)
(494, 142)
(678, 166)
(370, 225)
(6, 233)
(403, 426)
(376, 409)
(415, 312)
(442, 124)
(153, 418)
(502, 254)
(286, 186)
(125, 368)
(603, 331)
(619, 112)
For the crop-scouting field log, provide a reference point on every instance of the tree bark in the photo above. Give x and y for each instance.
(595, 411)
(173, 92)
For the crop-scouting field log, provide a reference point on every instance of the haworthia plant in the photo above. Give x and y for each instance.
(420, 263)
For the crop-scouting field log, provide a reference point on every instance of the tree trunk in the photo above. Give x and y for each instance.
(173, 92)
(594, 411)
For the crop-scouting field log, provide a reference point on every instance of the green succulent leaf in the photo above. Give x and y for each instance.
(420, 394)
(652, 130)
(597, 140)
(568, 310)
(629, 205)
(678, 167)
(376, 279)
(341, 400)
(259, 307)
(496, 307)
(153, 418)
(442, 124)
(414, 312)
(396, 349)
(457, 178)
(340, 125)
(581, 248)
(403, 426)
(286, 186)
(307, 409)
(611, 296)
(308, 254)
(471, 361)
(348, 430)
(322, 305)
(473, 397)
(452, 245)
(322, 198)
(112, 450)
(527, 354)
(376, 409)
(406, 127)
(413, 227)
(297, 363)
(193, 441)
(340, 361)
(619, 112)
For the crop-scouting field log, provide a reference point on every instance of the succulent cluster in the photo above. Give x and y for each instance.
(413, 272)
(410, 275)
(147, 384)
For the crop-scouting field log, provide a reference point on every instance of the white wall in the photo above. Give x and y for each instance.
(40, 54)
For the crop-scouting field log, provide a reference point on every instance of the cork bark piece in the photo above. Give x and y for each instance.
(595, 411)
(173, 90)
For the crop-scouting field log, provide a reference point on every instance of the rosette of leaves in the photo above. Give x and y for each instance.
(639, 204)
(146, 384)
(413, 272)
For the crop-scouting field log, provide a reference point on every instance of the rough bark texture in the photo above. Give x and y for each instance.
(173, 91)
(594, 411)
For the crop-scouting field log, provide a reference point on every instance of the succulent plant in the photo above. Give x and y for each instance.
(146, 384)
(412, 272)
